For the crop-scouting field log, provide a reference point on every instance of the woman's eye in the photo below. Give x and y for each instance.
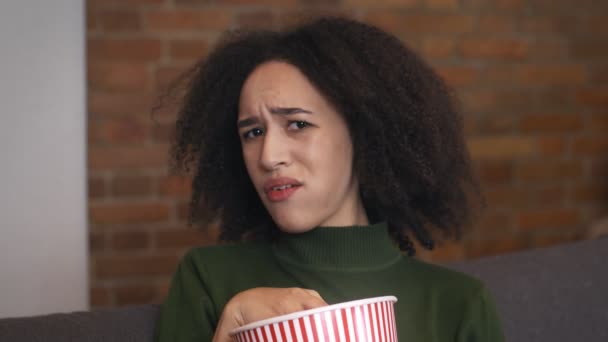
(253, 133)
(297, 125)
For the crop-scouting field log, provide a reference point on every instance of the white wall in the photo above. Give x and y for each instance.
(43, 226)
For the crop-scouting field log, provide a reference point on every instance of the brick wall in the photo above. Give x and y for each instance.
(531, 75)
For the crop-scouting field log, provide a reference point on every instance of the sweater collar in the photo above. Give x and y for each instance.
(339, 248)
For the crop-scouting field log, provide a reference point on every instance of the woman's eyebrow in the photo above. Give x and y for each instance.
(288, 110)
(273, 110)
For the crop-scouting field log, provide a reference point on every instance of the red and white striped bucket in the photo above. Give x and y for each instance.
(364, 320)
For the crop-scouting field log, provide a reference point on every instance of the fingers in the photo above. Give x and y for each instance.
(314, 293)
(313, 300)
(298, 300)
(260, 303)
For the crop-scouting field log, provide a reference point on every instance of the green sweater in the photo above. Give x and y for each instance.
(342, 264)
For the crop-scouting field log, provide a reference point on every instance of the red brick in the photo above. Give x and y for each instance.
(187, 20)
(447, 251)
(551, 123)
(546, 240)
(492, 23)
(136, 294)
(553, 75)
(187, 49)
(176, 186)
(126, 186)
(538, 171)
(599, 169)
(284, 3)
(492, 223)
(116, 49)
(598, 122)
(551, 145)
(553, 49)
(505, 196)
(97, 242)
(119, 76)
(484, 99)
(127, 157)
(96, 187)
(118, 20)
(550, 98)
(183, 210)
(291, 17)
(505, 147)
(591, 192)
(256, 20)
(92, 20)
(437, 47)
(421, 23)
(548, 218)
(163, 288)
(100, 297)
(442, 4)
(496, 172)
(476, 4)
(400, 4)
(599, 74)
(135, 266)
(126, 3)
(470, 124)
(593, 97)
(495, 123)
(548, 24)
(183, 238)
(548, 195)
(494, 48)
(563, 5)
(120, 104)
(167, 75)
(589, 49)
(124, 241)
(596, 212)
(163, 133)
(123, 213)
(458, 75)
(591, 146)
(499, 74)
(503, 245)
(120, 131)
(594, 25)
(501, 5)
(513, 5)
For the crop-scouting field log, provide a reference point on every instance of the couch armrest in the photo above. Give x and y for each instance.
(133, 324)
(551, 294)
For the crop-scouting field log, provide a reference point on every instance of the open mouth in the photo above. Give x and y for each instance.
(283, 192)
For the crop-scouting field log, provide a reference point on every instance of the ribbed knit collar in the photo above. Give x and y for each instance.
(339, 248)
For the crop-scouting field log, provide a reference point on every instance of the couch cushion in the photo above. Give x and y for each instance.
(134, 323)
(553, 294)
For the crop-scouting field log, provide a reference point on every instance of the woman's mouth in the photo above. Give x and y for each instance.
(280, 189)
(282, 193)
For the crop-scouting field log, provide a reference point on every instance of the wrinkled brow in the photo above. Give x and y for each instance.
(273, 110)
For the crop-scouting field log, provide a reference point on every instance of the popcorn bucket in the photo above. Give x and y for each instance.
(370, 319)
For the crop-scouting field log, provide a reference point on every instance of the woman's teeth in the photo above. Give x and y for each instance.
(282, 187)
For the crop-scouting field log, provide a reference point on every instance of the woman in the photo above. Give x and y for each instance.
(323, 152)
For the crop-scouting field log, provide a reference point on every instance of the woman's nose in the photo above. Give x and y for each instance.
(274, 151)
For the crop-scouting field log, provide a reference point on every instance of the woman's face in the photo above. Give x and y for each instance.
(297, 150)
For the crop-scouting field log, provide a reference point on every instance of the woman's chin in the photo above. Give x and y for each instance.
(292, 225)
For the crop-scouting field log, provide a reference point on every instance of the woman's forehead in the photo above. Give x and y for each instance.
(277, 85)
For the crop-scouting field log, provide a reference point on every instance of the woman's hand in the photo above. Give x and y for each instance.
(261, 303)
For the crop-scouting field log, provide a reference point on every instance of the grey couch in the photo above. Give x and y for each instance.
(552, 294)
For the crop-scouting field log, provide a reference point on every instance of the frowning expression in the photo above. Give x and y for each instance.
(297, 150)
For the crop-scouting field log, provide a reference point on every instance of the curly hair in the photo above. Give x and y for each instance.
(410, 156)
